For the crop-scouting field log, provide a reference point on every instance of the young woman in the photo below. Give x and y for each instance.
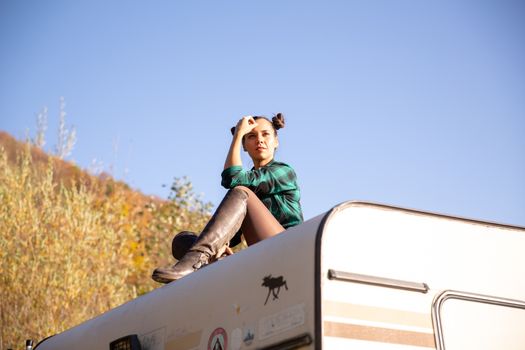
(261, 202)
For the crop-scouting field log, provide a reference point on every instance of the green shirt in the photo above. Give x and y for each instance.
(275, 184)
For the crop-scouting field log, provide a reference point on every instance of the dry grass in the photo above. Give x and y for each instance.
(72, 247)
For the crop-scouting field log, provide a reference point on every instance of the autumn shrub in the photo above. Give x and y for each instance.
(70, 250)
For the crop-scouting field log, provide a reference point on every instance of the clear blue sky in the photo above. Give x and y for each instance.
(413, 103)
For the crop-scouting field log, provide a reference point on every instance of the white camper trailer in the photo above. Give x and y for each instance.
(361, 276)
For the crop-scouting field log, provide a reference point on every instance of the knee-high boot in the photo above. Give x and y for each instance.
(220, 229)
(182, 242)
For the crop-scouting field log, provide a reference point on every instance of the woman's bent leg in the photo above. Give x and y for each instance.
(259, 223)
(221, 228)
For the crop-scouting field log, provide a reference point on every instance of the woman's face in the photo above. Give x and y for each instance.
(261, 142)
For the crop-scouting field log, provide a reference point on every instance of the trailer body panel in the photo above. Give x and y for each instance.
(363, 276)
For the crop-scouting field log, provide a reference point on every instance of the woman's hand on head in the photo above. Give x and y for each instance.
(245, 125)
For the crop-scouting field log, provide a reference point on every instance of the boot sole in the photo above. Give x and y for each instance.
(163, 277)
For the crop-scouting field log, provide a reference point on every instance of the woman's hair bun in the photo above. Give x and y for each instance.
(233, 130)
(278, 121)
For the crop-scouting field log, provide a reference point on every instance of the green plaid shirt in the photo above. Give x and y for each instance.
(276, 186)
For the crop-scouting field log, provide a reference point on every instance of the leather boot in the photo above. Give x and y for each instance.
(223, 225)
(182, 242)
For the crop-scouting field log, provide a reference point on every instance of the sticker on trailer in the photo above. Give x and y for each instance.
(248, 335)
(236, 339)
(274, 285)
(218, 340)
(281, 321)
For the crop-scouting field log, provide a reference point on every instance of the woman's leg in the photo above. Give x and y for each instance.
(221, 228)
(240, 208)
(259, 223)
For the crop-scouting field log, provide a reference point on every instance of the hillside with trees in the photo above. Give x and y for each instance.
(73, 244)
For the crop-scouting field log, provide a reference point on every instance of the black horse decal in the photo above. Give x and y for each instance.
(274, 285)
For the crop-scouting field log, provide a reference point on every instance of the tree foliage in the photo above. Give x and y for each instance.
(73, 245)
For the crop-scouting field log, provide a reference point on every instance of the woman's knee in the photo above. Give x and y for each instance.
(253, 202)
(244, 189)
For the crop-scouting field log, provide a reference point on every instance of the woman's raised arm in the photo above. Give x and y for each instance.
(244, 126)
